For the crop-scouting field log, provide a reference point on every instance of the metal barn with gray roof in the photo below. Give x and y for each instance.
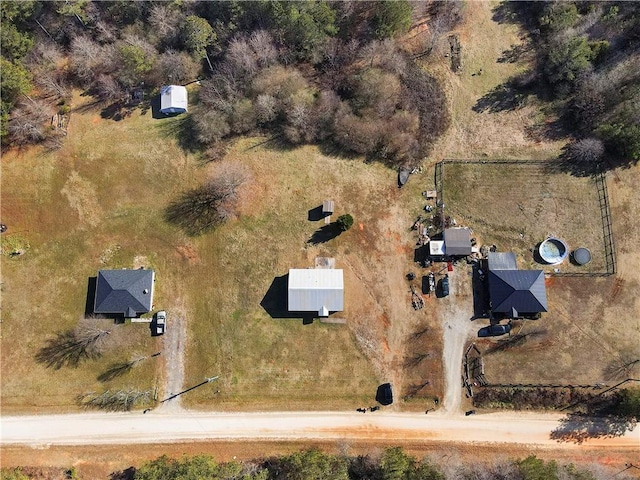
(124, 292)
(316, 290)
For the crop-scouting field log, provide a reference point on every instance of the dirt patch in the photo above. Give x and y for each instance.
(173, 351)
(80, 194)
(140, 261)
(188, 253)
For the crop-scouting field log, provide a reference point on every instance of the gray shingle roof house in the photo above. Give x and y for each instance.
(316, 290)
(124, 292)
(512, 291)
(457, 241)
(173, 99)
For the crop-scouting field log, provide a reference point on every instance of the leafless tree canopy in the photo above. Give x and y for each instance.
(69, 348)
(115, 400)
(202, 209)
(29, 121)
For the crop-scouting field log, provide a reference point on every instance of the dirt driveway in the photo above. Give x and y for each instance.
(458, 330)
(173, 352)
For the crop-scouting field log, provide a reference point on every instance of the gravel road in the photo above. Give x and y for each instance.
(162, 426)
(173, 352)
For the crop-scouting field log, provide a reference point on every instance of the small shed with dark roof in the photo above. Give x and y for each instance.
(457, 241)
(124, 292)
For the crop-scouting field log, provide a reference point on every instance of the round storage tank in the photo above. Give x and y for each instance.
(553, 251)
(581, 256)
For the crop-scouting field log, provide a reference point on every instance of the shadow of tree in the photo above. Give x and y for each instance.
(514, 341)
(505, 97)
(184, 130)
(325, 233)
(193, 212)
(513, 54)
(415, 359)
(116, 370)
(578, 427)
(519, 13)
(66, 350)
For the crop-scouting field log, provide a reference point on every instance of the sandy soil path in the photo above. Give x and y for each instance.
(173, 352)
(164, 426)
(457, 330)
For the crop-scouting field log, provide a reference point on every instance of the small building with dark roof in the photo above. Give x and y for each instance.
(457, 241)
(124, 292)
(515, 292)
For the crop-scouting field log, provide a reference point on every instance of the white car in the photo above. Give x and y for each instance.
(161, 322)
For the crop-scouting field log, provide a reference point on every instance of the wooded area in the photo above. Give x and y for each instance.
(303, 71)
(586, 67)
(390, 464)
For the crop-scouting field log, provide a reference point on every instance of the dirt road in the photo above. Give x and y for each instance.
(173, 352)
(165, 426)
(457, 331)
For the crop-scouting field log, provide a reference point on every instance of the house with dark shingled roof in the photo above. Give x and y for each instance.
(124, 292)
(515, 292)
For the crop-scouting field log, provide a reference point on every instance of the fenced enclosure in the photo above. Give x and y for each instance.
(515, 205)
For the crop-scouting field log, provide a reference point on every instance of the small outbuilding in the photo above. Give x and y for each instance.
(124, 292)
(316, 290)
(173, 99)
(327, 207)
(457, 241)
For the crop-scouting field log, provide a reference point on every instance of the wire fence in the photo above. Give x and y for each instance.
(600, 181)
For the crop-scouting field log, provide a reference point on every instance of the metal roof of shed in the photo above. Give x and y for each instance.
(502, 261)
(316, 290)
(457, 241)
(173, 99)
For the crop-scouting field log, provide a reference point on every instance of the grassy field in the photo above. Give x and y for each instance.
(517, 206)
(99, 203)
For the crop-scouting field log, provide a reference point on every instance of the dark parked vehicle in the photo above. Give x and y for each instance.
(470, 412)
(384, 395)
(444, 286)
(494, 330)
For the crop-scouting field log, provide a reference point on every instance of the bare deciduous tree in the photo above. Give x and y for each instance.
(266, 108)
(211, 126)
(198, 211)
(29, 122)
(166, 21)
(174, 67)
(115, 401)
(69, 348)
(586, 151)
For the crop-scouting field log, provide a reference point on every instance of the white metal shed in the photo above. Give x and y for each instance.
(173, 99)
(316, 290)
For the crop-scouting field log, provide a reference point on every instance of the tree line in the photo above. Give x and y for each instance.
(391, 464)
(306, 71)
(587, 58)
